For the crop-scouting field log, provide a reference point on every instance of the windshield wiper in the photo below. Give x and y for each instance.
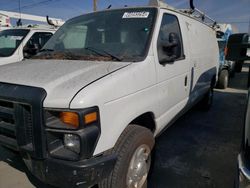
(101, 51)
(46, 50)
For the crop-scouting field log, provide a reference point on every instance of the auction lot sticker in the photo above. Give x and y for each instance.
(135, 15)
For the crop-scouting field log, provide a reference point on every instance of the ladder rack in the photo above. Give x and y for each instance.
(192, 12)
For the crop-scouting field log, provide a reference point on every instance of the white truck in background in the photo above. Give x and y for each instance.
(22, 42)
(4, 22)
(87, 108)
(17, 43)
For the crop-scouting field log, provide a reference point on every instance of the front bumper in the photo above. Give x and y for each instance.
(61, 173)
(244, 173)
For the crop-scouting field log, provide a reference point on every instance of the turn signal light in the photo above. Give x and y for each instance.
(70, 118)
(90, 118)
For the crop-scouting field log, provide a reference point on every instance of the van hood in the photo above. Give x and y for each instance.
(61, 79)
(6, 60)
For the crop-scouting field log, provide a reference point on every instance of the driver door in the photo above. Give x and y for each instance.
(173, 77)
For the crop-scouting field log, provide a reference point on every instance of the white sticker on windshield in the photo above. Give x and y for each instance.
(135, 15)
(16, 38)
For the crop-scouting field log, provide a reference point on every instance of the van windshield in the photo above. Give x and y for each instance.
(10, 40)
(118, 35)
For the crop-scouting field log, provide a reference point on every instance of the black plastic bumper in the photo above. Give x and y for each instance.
(72, 174)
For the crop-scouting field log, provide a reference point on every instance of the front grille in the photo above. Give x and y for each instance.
(16, 125)
(21, 119)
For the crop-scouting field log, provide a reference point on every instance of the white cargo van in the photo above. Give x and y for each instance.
(22, 42)
(86, 109)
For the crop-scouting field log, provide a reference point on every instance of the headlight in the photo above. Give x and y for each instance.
(72, 134)
(72, 142)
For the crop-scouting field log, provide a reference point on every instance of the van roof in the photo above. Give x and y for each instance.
(184, 12)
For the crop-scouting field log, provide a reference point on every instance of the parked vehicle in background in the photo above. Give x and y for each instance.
(248, 50)
(23, 42)
(238, 45)
(237, 49)
(226, 68)
(4, 22)
(243, 179)
(88, 107)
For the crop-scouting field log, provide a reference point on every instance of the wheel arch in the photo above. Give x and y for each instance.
(145, 120)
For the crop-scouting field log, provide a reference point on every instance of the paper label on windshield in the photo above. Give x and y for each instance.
(135, 15)
(16, 38)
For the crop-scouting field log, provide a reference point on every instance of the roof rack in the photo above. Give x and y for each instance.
(192, 12)
(35, 26)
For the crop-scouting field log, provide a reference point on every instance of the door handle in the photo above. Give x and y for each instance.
(185, 82)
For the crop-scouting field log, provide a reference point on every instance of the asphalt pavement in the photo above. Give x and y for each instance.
(198, 151)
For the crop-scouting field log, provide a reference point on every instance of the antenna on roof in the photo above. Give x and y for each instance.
(19, 22)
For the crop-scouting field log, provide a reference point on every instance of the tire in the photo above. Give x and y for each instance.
(223, 79)
(134, 140)
(238, 66)
(232, 72)
(207, 101)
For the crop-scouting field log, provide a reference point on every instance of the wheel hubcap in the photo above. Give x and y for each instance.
(139, 167)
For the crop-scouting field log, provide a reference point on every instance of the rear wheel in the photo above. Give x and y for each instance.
(133, 151)
(223, 79)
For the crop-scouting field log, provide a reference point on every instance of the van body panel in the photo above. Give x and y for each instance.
(149, 86)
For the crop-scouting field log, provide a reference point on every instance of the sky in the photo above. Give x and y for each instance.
(236, 12)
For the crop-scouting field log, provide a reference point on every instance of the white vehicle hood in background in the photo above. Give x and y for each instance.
(6, 60)
(61, 79)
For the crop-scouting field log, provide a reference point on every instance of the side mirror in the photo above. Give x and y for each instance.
(171, 49)
(237, 47)
(30, 50)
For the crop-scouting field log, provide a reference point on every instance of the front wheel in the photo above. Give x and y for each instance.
(133, 151)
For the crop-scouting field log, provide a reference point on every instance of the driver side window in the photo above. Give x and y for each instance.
(169, 43)
(35, 43)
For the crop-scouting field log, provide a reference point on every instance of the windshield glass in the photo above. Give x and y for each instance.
(10, 40)
(118, 35)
